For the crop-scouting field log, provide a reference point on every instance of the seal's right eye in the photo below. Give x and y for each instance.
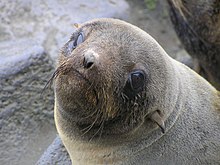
(79, 40)
(73, 43)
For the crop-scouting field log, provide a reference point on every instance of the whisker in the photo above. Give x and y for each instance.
(102, 128)
(124, 97)
(87, 129)
(92, 122)
(49, 82)
(96, 132)
(90, 115)
(60, 69)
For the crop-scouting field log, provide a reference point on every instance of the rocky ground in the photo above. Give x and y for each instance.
(31, 34)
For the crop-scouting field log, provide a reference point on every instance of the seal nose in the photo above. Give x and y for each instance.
(89, 60)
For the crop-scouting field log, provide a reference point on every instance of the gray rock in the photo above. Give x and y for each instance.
(26, 130)
(183, 57)
(26, 116)
(50, 22)
(55, 154)
(15, 56)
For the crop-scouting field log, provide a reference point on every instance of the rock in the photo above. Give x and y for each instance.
(28, 29)
(25, 130)
(183, 57)
(50, 23)
(55, 154)
(197, 26)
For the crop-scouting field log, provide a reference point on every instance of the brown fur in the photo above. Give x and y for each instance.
(171, 120)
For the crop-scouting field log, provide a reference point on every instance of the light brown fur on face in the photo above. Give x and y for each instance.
(101, 119)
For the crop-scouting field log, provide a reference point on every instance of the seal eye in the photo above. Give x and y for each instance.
(79, 40)
(135, 83)
(137, 80)
(73, 43)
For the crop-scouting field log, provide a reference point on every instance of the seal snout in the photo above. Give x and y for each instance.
(89, 59)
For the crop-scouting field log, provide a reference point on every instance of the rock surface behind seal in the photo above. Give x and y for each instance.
(28, 29)
(55, 154)
(51, 22)
(26, 116)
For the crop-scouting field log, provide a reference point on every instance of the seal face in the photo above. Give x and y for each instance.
(102, 81)
(118, 97)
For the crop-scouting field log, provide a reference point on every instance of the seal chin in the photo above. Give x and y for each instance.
(93, 114)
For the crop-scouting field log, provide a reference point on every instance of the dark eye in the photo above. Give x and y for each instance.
(135, 83)
(71, 45)
(79, 39)
(137, 79)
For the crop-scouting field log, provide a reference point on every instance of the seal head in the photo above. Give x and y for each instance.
(120, 99)
(106, 82)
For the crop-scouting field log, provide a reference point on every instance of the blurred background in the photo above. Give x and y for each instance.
(31, 34)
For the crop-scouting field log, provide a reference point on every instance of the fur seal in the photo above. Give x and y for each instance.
(120, 99)
(197, 23)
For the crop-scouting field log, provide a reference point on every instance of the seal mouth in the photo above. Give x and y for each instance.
(86, 99)
(65, 69)
(94, 109)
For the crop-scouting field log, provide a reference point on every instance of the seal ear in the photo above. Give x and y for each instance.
(76, 25)
(155, 117)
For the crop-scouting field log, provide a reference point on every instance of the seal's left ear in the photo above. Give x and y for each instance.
(155, 117)
(76, 25)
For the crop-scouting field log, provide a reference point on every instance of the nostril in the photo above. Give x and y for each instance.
(88, 65)
(88, 61)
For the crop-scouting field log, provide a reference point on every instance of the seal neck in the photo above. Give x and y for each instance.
(153, 133)
(130, 145)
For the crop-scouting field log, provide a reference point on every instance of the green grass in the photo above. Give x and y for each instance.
(151, 4)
